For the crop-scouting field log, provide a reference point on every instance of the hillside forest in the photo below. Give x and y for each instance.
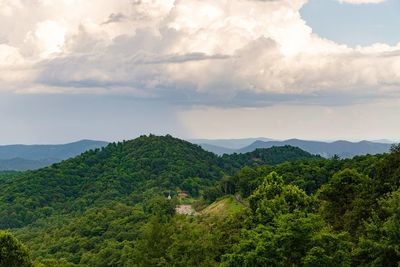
(120, 206)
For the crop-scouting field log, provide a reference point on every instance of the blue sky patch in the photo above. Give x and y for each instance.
(354, 24)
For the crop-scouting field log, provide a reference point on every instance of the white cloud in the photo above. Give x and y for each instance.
(198, 52)
(9, 56)
(49, 37)
(7, 7)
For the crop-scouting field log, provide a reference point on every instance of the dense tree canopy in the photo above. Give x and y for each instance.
(13, 252)
(276, 207)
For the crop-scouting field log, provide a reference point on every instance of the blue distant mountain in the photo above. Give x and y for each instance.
(29, 157)
(343, 149)
(226, 146)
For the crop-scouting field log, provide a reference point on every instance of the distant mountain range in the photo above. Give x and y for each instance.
(229, 143)
(20, 164)
(29, 157)
(227, 146)
(343, 149)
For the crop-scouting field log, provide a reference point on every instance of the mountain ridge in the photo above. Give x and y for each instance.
(22, 157)
(56, 151)
(123, 171)
(341, 148)
(29, 157)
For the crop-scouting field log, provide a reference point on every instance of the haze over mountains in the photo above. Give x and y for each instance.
(30, 157)
(343, 149)
(233, 144)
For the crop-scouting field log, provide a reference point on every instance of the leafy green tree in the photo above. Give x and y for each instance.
(273, 198)
(13, 252)
(160, 206)
(213, 193)
(380, 246)
(329, 250)
(227, 185)
(281, 227)
(285, 242)
(344, 200)
(387, 176)
(192, 185)
(245, 181)
(151, 248)
(192, 245)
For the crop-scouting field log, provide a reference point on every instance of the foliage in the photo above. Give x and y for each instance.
(7, 176)
(118, 172)
(380, 244)
(13, 252)
(265, 156)
(343, 202)
(109, 207)
(226, 206)
(329, 249)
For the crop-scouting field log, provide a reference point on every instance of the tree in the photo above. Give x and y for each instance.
(192, 244)
(344, 200)
(329, 250)
(380, 246)
(151, 249)
(281, 227)
(285, 242)
(273, 197)
(387, 177)
(246, 181)
(13, 252)
(160, 206)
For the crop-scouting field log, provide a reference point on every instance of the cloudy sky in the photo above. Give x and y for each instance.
(112, 70)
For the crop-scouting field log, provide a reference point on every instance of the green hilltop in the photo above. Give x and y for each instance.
(125, 171)
(115, 206)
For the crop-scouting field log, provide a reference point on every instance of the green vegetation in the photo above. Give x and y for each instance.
(224, 207)
(12, 252)
(268, 156)
(6, 176)
(273, 207)
(126, 172)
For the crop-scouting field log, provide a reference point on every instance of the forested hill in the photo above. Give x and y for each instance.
(271, 207)
(123, 171)
(265, 156)
(120, 171)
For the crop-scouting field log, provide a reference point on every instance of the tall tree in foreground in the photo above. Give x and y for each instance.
(345, 203)
(13, 252)
(380, 246)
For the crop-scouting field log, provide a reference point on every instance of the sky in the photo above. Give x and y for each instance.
(113, 70)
